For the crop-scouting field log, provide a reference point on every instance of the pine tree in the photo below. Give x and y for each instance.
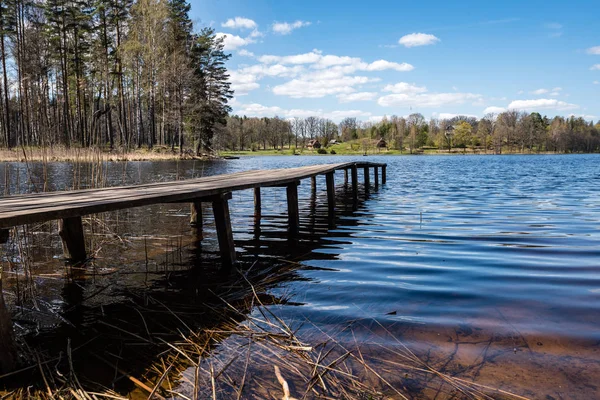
(7, 27)
(211, 87)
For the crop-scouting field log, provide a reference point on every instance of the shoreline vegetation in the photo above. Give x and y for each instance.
(162, 153)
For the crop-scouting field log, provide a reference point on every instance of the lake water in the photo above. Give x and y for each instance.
(490, 261)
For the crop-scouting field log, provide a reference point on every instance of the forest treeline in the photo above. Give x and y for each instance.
(109, 73)
(510, 131)
(131, 73)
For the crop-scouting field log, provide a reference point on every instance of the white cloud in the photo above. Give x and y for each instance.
(306, 58)
(276, 70)
(410, 95)
(381, 65)
(376, 118)
(584, 116)
(594, 50)
(520, 92)
(317, 75)
(451, 115)
(550, 92)
(405, 88)
(541, 104)
(359, 96)
(245, 53)
(232, 42)
(259, 110)
(239, 23)
(418, 39)
(285, 28)
(305, 87)
(494, 110)
(426, 99)
(242, 83)
(341, 65)
(596, 82)
(595, 67)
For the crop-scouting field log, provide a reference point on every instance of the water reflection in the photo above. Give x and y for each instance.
(145, 288)
(453, 252)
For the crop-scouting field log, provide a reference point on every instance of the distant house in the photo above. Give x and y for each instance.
(381, 144)
(313, 144)
(333, 141)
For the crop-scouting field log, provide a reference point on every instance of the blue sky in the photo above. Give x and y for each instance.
(369, 59)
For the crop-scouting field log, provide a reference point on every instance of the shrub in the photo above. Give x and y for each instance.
(322, 151)
(332, 151)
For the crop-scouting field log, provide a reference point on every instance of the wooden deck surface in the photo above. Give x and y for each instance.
(33, 208)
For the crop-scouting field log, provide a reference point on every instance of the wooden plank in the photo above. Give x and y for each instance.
(329, 179)
(224, 230)
(196, 214)
(293, 212)
(19, 210)
(71, 233)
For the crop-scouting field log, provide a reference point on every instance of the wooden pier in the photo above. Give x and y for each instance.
(68, 207)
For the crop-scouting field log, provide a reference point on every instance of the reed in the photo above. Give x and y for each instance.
(60, 153)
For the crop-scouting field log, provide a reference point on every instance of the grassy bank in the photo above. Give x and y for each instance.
(161, 153)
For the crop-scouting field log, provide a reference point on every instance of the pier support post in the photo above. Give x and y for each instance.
(383, 177)
(257, 206)
(293, 213)
(355, 185)
(367, 179)
(71, 233)
(329, 179)
(8, 349)
(345, 177)
(4, 235)
(313, 185)
(196, 214)
(376, 174)
(220, 204)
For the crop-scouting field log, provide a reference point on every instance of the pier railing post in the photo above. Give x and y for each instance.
(313, 185)
(257, 206)
(367, 179)
(196, 214)
(293, 213)
(329, 179)
(71, 233)
(383, 171)
(376, 174)
(354, 186)
(345, 177)
(220, 205)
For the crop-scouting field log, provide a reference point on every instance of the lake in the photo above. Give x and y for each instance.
(486, 265)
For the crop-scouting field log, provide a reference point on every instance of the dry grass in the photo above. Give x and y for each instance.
(262, 357)
(75, 154)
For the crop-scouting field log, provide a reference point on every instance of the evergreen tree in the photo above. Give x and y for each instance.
(211, 87)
